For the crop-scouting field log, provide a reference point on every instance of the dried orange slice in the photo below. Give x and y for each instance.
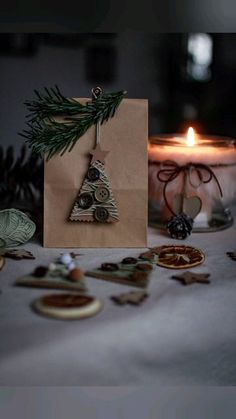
(180, 257)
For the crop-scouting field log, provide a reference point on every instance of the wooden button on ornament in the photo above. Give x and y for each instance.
(93, 174)
(101, 214)
(102, 194)
(129, 261)
(85, 200)
(109, 267)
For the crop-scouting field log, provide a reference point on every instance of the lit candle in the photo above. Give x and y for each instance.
(192, 148)
(216, 153)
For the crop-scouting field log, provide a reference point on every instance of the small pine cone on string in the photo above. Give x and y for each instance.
(180, 226)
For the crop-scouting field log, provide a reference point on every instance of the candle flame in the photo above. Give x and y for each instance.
(190, 139)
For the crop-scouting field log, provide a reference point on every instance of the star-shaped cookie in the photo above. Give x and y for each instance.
(132, 297)
(188, 278)
(232, 255)
(18, 254)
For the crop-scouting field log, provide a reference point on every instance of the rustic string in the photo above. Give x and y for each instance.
(170, 170)
(96, 92)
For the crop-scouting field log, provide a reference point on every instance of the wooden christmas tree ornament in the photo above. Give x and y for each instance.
(95, 201)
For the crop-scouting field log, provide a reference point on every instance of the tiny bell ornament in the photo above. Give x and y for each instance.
(46, 136)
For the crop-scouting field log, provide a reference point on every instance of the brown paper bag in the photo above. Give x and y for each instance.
(125, 136)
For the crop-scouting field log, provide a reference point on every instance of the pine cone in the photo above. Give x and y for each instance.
(180, 226)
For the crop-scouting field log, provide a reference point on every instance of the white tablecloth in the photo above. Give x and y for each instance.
(149, 402)
(181, 335)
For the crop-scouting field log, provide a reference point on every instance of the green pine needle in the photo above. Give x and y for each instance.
(48, 137)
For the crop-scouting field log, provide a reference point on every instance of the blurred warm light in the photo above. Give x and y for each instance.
(200, 56)
(190, 139)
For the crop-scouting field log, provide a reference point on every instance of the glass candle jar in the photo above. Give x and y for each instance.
(181, 168)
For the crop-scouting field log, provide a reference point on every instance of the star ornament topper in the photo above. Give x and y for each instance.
(98, 154)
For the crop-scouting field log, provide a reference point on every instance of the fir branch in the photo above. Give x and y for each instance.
(52, 102)
(48, 137)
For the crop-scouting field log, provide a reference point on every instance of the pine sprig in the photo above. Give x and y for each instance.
(51, 102)
(48, 137)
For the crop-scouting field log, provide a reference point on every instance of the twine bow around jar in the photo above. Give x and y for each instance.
(170, 170)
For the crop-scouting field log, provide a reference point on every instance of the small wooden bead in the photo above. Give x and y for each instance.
(40, 271)
(75, 274)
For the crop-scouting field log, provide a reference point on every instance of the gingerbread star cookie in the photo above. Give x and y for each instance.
(232, 255)
(18, 254)
(132, 297)
(189, 278)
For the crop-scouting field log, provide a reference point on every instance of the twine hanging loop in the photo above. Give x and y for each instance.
(170, 170)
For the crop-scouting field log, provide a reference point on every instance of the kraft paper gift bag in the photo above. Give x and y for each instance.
(125, 136)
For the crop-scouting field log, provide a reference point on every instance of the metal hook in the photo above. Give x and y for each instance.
(96, 92)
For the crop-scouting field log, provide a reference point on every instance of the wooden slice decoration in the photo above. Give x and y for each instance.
(68, 306)
(180, 257)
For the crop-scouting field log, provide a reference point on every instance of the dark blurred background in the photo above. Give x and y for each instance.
(186, 77)
(189, 78)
